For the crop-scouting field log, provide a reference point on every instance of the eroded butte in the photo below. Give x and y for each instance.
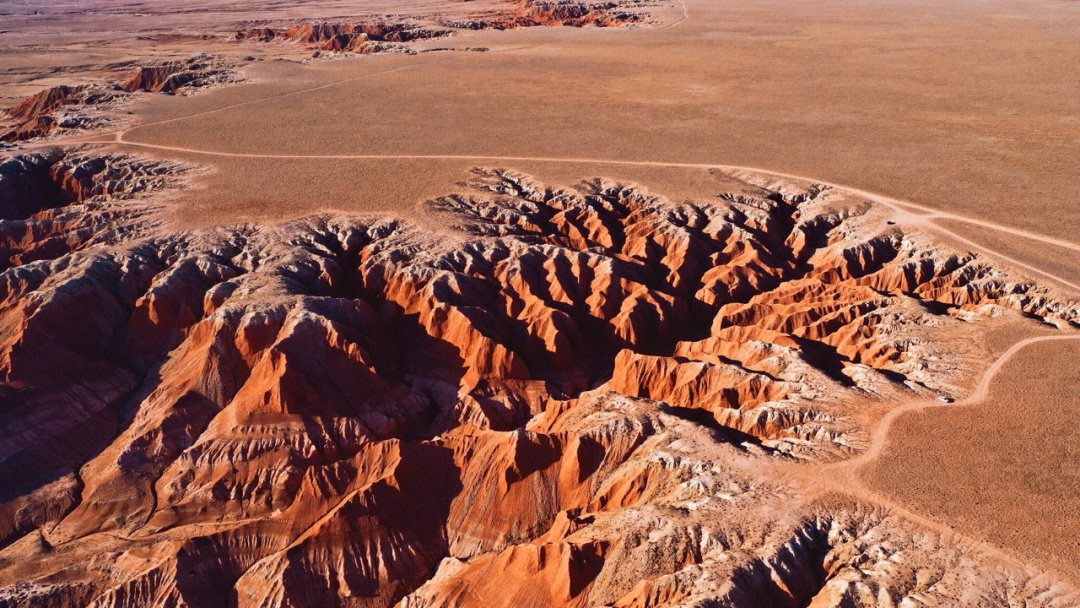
(573, 380)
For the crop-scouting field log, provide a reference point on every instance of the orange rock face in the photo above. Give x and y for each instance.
(376, 36)
(174, 76)
(348, 413)
(36, 115)
(362, 38)
(547, 13)
(78, 107)
(43, 103)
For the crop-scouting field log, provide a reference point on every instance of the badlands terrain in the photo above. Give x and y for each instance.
(539, 303)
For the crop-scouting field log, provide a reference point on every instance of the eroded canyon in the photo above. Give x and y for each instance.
(524, 390)
(576, 392)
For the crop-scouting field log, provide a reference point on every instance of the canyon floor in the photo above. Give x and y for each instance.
(539, 303)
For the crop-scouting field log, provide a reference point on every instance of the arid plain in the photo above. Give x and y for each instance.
(536, 303)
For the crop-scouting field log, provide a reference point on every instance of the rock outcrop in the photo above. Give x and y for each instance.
(571, 13)
(374, 36)
(40, 114)
(172, 77)
(82, 107)
(362, 38)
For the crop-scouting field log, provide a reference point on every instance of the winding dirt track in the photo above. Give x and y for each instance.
(897, 205)
(879, 436)
(844, 477)
(685, 16)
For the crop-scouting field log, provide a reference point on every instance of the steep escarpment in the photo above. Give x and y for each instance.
(174, 76)
(557, 13)
(567, 402)
(88, 106)
(366, 36)
(53, 108)
(363, 38)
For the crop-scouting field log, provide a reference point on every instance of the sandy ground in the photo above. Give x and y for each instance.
(1004, 470)
(1055, 259)
(962, 106)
